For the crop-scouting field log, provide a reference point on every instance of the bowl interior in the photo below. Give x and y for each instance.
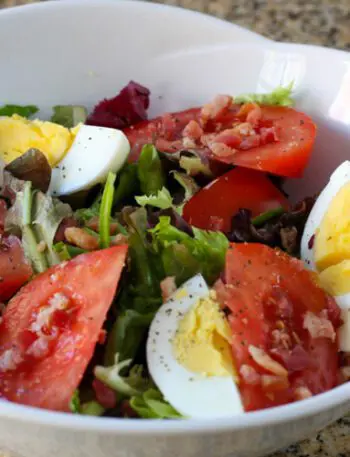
(80, 52)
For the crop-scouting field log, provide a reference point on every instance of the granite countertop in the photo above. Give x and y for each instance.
(322, 22)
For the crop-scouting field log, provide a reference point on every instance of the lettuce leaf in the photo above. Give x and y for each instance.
(150, 172)
(162, 199)
(69, 115)
(152, 405)
(105, 210)
(281, 96)
(184, 256)
(24, 111)
(132, 385)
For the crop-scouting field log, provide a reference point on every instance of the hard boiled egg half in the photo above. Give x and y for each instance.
(80, 157)
(189, 354)
(325, 245)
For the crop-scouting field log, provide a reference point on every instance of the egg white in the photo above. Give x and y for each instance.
(193, 395)
(94, 152)
(338, 179)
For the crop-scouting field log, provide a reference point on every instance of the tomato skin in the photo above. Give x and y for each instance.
(14, 268)
(288, 156)
(222, 198)
(268, 294)
(88, 282)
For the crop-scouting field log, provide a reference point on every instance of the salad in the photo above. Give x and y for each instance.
(157, 269)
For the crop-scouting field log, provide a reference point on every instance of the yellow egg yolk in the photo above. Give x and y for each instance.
(18, 134)
(202, 341)
(332, 245)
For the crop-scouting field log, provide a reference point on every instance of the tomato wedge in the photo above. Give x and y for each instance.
(3, 210)
(50, 328)
(281, 145)
(212, 207)
(14, 268)
(283, 324)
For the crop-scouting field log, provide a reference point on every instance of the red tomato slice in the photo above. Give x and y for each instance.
(14, 268)
(212, 207)
(288, 156)
(284, 327)
(50, 328)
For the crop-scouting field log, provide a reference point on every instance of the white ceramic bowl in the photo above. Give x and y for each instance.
(82, 51)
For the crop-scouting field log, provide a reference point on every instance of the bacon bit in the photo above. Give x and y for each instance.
(106, 396)
(192, 131)
(164, 145)
(102, 337)
(208, 139)
(218, 107)
(222, 293)
(40, 348)
(301, 393)
(265, 361)
(319, 326)
(270, 382)
(41, 247)
(168, 287)
(168, 125)
(222, 150)
(10, 360)
(187, 143)
(80, 238)
(281, 338)
(119, 239)
(250, 375)
(250, 142)
(228, 137)
(254, 115)
(268, 135)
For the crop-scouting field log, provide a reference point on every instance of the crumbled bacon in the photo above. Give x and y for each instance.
(319, 326)
(192, 130)
(229, 137)
(168, 125)
(301, 393)
(218, 107)
(222, 150)
(254, 115)
(164, 145)
(268, 135)
(67, 222)
(250, 375)
(94, 224)
(168, 287)
(119, 239)
(265, 361)
(249, 142)
(10, 360)
(81, 238)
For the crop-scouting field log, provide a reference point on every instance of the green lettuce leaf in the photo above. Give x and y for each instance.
(69, 115)
(162, 199)
(24, 111)
(74, 404)
(152, 405)
(150, 172)
(105, 210)
(48, 213)
(37, 217)
(132, 385)
(127, 184)
(281, 96)
(89, 408)
(128, 332)
(184, 256)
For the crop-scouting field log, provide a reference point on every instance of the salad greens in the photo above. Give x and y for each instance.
(281, 96)
(150, 172)
(105, 211)
(69, 115)
(151, 405)
(24, 111)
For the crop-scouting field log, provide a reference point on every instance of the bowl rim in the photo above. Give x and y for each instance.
(118, 426)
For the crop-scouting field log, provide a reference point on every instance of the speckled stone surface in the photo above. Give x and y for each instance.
(322, 22)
